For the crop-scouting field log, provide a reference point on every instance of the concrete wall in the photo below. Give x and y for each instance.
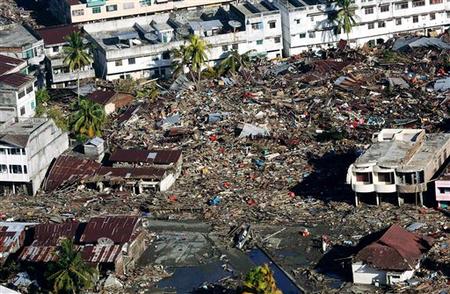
(167, 182)
(364, 274)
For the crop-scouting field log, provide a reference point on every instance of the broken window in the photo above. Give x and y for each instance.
(387, 178)
(15, 169)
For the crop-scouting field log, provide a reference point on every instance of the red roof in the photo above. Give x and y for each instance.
(100, 253)
(8, 63)
(15, 79)
(57, 34)
(119, 229)
(163, 157)
(50, 234)
(396, 250)
(68, 170)
(101, 96)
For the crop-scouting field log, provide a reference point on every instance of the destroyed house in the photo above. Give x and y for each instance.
(392, 258)
(67, 170)
(400, 163)
(113, 242)
(46, 239)
(12, 238)
(110, 242)
(110, 100)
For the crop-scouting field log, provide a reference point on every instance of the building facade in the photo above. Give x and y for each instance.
(58, 73)
(309, 24)
(442, 189)
(82, 11)
(27, 148)
(140, 47)
(400, 163)
(17, 96)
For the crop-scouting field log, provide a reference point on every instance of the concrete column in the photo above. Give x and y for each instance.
(377, 197)
(100, 186)
(356, 199)
(400, 199)
(14, 188)
(421, 198)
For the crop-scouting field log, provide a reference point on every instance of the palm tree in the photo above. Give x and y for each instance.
(345, 16)
(69, 274)
(260, 280)
(77, 55)
(192, 56)
(88, 119)
(234, 61)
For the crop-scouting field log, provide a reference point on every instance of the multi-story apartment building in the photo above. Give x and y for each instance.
(140, 47)
(18, 42)
(82, 11)
(17, 96)
(27, 148)
(400, 162)
(58, 74)
(442, 189)
(309, 24)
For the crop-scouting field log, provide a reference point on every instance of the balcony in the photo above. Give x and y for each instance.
(361, 187)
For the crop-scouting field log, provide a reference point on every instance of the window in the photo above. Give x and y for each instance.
(14, 151)
(235, 46)
(364, 178)
(2, 151)
(25, 171)
(22, 110)
(129, 5)
(418, 3)
(272, 24)
(78, 12)
(386, 178)
(302, 35)
(297, 21)
(131, 60)
(225, 48)
(3, 169)
(166, 55)
(448, 14)
(110, 8)
(155, 58)
(381, 24)
(384, 8)
(259, 42)
(368, 10)
(312, 34)
(118, 63)
(23, 151)
(277, 40)
(28, 54)
(432, 16)
(96, 10)
(21, 94)
(436, 1)
(55, 49)
(398, 21)
(257, 26)
(442, 190)
(33, 105)
(15, 169)
(415, 19)
(371, 26)
(145, 2)
(403, 5)
(30, 89)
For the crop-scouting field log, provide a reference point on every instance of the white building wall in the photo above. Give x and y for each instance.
(364, 274)
(167, 182)
(308, 24)
(28, 102)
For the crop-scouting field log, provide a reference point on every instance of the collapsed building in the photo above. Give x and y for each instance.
(109, 243)
(400, 163)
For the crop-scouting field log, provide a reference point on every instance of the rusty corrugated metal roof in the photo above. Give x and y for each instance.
(119, 229)
(50, 234)
(163, 157)
(100, 253)
(396, 250)
(68, 170)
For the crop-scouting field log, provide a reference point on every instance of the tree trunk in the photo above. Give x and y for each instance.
(78, 84)
(199, 78)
